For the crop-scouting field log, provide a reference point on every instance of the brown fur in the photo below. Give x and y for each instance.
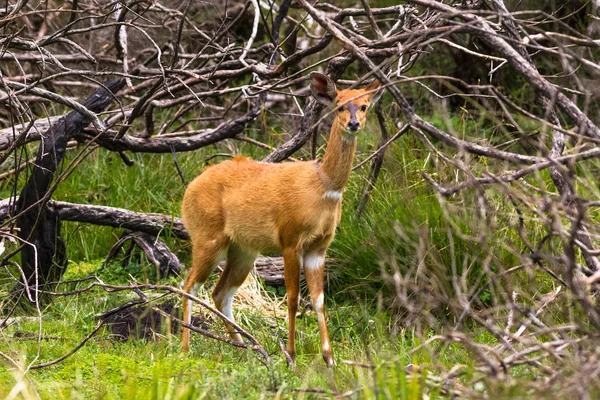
(242, 207)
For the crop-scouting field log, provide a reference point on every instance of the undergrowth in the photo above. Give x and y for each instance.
(372, 345)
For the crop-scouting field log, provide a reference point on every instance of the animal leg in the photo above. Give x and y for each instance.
(239, 264)
(314, 266)
(291, 274)
(206, 254)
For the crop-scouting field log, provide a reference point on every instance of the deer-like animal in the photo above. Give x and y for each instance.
(241, 207)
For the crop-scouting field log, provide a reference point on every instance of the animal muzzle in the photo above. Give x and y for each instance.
(353, 125)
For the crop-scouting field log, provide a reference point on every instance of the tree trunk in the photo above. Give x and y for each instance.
(43, 257)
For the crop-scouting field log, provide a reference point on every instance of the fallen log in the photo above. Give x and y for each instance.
(9, 135)
(151, 223)
(270, 269)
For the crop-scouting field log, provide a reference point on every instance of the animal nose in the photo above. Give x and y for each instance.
(353, 125)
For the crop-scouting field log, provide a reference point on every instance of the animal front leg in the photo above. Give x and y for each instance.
(314, 268)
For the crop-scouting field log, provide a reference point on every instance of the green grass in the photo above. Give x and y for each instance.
(404, 229)
(360, 332)
(105, 368)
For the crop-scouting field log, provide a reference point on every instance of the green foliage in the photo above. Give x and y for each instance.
(107, 369)
(405, 229)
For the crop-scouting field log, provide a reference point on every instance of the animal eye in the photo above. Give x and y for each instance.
(363, 108)
(341, 109)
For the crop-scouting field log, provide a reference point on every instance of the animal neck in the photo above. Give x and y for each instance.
(337, 163)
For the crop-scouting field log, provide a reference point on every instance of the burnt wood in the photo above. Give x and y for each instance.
(43, 256)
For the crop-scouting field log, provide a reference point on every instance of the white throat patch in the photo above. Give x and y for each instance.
(332, 195)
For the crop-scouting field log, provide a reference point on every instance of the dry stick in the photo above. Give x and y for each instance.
(286, 354)
(179, 171)
(59, 99)
(511, 315)
(398, 134)
(16, 170)
(17, 389)
(166, 144)
(156, 251)
(253, 34)
(276, 28)
(116, 217)
(548, 163)
(22, 166)
(405, 106)
(293, 59)
(372, 21)
(480, 27)
(70, 353)
(10, 141)
(78, 73)
(139, 108)
(537, 312)
(255, 345)
(570, 267)
(522, 235)
(555, 128)
(558, 137)
(120, 38)
(519, 358)
(259, 144)
(175, 57)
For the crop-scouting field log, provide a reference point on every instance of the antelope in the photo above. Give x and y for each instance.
(240, 207)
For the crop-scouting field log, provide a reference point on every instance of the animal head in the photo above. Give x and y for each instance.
(351, 105)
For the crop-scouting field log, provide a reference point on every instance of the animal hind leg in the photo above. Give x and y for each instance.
(240, 262)
(206, 254)
(291, 274)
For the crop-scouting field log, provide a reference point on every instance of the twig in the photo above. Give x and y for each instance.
(70, 353)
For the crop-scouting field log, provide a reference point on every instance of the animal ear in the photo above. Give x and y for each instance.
(322, 88)
(375, 96)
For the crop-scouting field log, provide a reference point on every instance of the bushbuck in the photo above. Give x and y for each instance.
(240, 207)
